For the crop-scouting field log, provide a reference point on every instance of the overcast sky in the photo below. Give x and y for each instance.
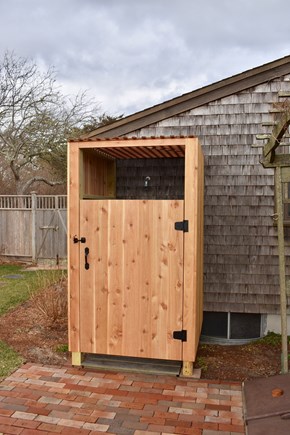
(132, 54)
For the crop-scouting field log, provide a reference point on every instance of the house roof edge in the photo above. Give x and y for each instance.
(196, 98)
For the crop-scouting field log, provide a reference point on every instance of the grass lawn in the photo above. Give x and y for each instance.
(9, 360)
(16, 286)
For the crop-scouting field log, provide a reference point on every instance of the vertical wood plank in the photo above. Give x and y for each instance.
(73, 249)
(145, 279)
(193, 261)
(33, 226)
(175, 270)
(115, 304)
(201, 240)
(282, 269)
(87, 281)
(155, 277)
(132, 287)
(161, 284)
(111, 178)
(101, 277)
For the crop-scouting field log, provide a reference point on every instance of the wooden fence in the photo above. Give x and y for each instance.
(33, 226)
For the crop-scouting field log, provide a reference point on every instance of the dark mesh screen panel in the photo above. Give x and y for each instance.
(165, 178)
(245, 325)
(215, 324)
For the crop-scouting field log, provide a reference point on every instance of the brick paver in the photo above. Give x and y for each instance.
(65, 400)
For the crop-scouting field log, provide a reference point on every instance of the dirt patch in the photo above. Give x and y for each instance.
(28, 331)
(238, 363)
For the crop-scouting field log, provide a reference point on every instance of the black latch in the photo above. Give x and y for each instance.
(180, 335)
(87, 251)
(181, 226)
(81, 240)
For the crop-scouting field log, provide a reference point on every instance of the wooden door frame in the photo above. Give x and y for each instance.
(193, 240)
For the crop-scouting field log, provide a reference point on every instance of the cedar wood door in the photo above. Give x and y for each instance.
(131, 277)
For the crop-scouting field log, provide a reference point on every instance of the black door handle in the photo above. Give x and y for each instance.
(81, 240)
(87, 266)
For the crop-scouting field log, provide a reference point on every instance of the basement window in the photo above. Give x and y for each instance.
(215, 324)
(231, 326)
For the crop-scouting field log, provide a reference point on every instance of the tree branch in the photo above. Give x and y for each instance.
(33, 180)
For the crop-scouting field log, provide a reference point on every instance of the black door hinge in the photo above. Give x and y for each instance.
(180, 335)
(181, 226)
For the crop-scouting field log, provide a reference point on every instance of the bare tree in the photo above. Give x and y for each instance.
(35, 122)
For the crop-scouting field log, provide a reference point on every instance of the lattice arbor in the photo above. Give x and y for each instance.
(276, 154)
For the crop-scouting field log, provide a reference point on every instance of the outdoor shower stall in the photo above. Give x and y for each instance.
(135, 248)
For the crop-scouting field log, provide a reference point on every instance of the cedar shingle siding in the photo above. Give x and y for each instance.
(240, 238)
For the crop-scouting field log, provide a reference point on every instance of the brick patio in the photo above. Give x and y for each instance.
(64, 400)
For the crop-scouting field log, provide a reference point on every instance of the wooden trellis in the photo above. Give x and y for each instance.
(281, 164)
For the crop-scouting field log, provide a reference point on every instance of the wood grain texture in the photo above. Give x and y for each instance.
(134, 143)
(98, 174)
(131, 297)
(144, 278)
(73, 249)
(193, 249)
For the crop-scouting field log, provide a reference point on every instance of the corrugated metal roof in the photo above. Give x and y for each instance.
(129, 138)
(144, 152)
(148, 150)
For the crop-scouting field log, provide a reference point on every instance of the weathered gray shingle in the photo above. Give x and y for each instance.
(241, 256)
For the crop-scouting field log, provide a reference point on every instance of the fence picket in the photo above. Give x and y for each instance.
(33, 226)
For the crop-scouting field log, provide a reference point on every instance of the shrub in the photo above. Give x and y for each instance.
(51, 302)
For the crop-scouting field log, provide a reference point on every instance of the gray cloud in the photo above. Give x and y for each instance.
(131, 54)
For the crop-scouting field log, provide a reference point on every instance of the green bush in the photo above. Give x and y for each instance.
(271, 338)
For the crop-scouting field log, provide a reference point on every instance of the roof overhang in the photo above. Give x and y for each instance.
(197, 98)
(137, 148)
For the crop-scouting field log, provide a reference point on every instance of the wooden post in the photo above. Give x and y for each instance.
(74, 183)
(33, 226)
(282, 269)
(56, 212)
(187, 368)
(76, 358)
